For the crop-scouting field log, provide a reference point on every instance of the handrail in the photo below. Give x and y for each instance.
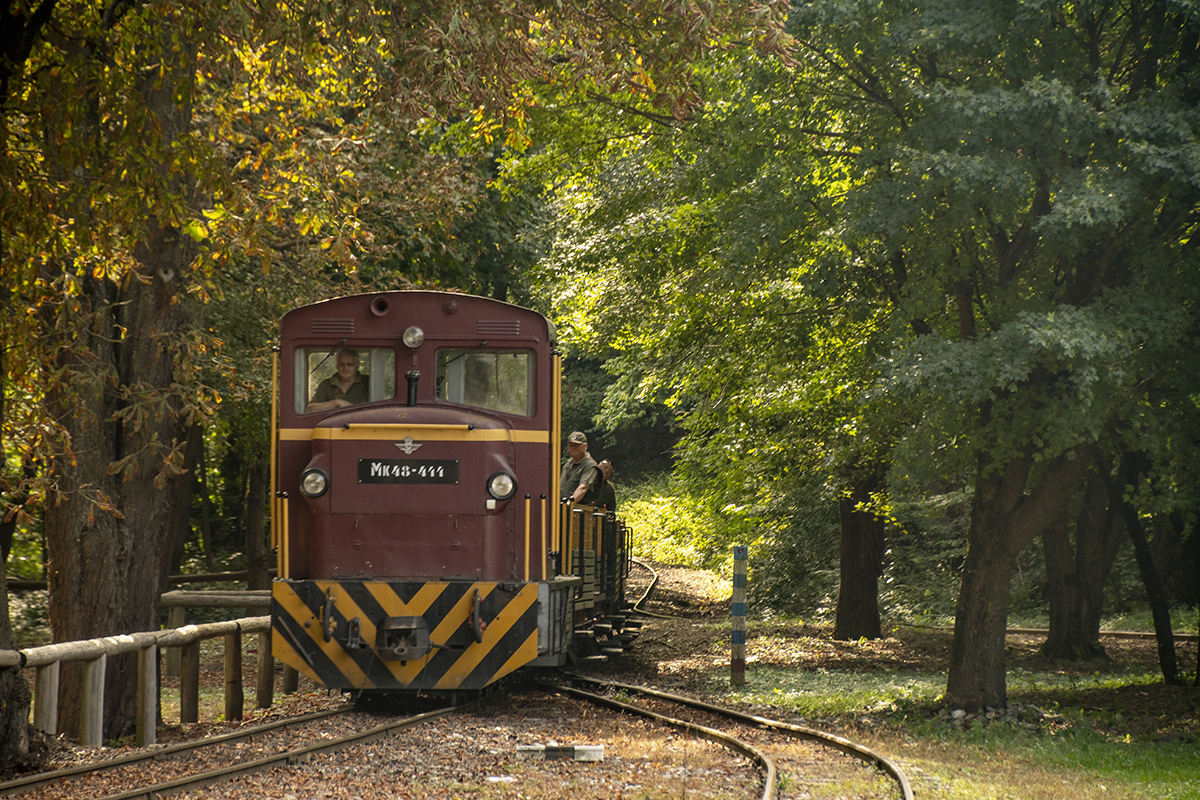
(46, 659)
(90, 649)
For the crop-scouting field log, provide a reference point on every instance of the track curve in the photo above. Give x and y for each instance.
(829, 740)
(765, 763)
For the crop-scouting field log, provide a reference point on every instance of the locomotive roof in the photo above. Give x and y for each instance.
(374, 313)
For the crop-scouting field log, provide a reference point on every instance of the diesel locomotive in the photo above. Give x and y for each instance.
(422, 543)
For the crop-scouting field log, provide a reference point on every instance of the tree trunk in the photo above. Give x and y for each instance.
(108, 521)
(14, 695)
(976, 678)
(862, 538)
(1159, 607)
(1075, 577)
(1006, 515)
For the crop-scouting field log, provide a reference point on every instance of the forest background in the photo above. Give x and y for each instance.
(889, 291)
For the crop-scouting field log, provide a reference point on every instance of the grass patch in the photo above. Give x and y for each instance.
(1100, 729)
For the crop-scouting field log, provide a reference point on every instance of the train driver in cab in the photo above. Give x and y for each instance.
(580, 476)
(346, 387)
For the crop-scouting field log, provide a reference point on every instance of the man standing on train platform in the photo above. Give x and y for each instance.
(580, 475)
(606, 495)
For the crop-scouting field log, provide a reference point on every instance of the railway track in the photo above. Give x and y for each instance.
(203, 763)
(794, 761)
(437, 753)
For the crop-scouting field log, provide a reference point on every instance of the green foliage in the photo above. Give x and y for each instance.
(27, 559)
(941, 241)
(30, 616)
(638, 438)
(795, 562)
(584, 385)
(926, 547)
(792, 565)
(679, 529)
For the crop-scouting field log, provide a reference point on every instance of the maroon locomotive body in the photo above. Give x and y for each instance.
(417, 515)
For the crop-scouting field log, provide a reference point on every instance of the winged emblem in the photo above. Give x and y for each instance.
(408, 446)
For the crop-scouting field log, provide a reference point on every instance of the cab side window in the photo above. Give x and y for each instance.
(497, 380)
(367, 374)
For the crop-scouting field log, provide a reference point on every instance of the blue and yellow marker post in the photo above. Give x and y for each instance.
(738, 651)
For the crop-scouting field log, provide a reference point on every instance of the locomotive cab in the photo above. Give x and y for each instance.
(415, 473)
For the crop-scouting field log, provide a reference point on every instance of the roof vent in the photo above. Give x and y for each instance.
(331, 327)
(498, 327)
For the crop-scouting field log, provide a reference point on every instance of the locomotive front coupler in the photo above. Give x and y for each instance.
(402, 638)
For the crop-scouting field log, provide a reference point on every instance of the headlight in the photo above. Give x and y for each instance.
(502, 486)
(414, 337)
(314, 483)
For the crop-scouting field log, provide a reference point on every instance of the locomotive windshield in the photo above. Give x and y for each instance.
(497, 380)
(336, 376)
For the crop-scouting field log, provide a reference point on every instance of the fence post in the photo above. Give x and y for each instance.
(266, 672)
(45, 698)
(235, 699)
(189, 683)
(738, 649)
(147, 696)
(91, 710)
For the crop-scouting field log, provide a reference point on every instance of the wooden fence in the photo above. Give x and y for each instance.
(182, 643)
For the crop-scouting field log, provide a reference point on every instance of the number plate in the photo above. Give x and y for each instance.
(407, 470)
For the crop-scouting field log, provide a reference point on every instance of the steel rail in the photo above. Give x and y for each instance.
(764, 762)
(646, 594)
(29, 782)
(286, 758)
(850, 748)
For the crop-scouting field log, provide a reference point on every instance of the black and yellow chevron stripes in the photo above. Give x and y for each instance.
(350, 612)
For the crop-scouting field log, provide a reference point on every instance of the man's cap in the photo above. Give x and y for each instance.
(577, 438)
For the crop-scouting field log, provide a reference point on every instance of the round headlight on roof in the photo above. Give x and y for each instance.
(314, 483)
(502, 486)
(414, 337)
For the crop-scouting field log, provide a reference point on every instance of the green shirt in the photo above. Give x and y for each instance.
(329, 389)
(606, 496)
(583, 471)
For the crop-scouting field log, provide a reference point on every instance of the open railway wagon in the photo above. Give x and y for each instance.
(421, 546)
(598, 545)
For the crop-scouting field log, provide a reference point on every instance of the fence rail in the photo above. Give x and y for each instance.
(182, 641)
